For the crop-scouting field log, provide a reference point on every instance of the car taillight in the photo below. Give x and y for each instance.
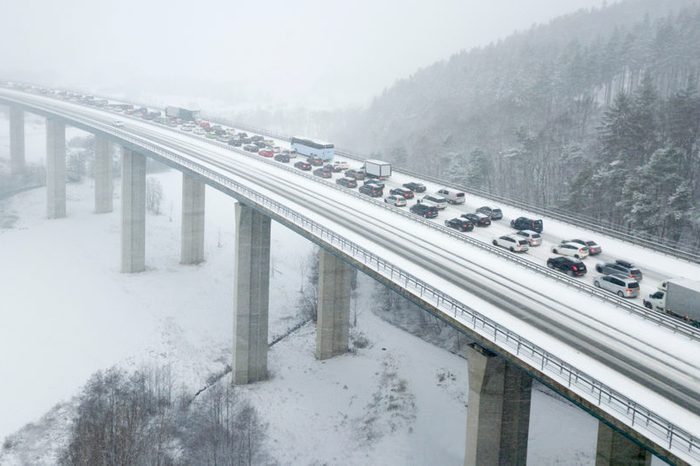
(574, 268)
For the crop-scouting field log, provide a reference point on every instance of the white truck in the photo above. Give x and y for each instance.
(679, 297)
(377, 169)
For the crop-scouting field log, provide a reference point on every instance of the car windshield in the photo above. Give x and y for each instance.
(635, 272)
(535, 235)
(633, 285)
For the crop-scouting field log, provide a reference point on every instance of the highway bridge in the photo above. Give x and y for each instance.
(635, 370)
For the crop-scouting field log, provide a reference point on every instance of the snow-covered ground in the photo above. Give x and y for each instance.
(61, 323)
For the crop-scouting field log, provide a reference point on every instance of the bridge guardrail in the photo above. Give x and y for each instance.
(650, 424)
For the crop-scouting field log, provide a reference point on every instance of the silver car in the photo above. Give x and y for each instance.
(397, 201)
(622, 286)
(532, 237)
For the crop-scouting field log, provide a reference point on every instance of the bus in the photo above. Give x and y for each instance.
(310, 147)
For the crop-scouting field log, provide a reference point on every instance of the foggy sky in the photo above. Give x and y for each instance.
(304, 52)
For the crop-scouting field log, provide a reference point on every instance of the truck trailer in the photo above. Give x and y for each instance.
(679, 297)
(184, 114)
(377, 169)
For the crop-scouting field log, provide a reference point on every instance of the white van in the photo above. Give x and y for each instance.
(452, 195)
(433, 200)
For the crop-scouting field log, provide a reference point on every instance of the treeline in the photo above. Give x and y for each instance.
(528, 117)
(645, 173)
(138, 419)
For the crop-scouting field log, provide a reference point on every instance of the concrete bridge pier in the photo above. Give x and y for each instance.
(192, 241)
(498, 412)
(55, 168)
(17, 162)
(133, 212)
(251, 292)
(614, 449)
(104, 189)
(333, 319)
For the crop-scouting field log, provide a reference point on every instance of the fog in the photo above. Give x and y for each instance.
(308, 52)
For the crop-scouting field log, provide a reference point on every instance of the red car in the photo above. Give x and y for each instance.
(266, 153)
(301, 165)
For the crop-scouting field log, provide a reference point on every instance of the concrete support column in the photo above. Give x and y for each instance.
(104, 188)
(17, 163)
(55, 168)
(498, 412)
(333, 318)
(614, 449)
(251, 292)
(192, 241)
(133, 212)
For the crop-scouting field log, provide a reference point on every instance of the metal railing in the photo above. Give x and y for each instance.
(648, 423)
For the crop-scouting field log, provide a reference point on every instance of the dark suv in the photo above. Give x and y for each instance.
(524, 223)
(573, 267)
(371, 190)
(423, 210)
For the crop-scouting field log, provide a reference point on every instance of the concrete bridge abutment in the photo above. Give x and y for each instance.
(17, 158)
(55, 168)
(104, 187)
(133, 237)
(614, 449)
(333, 317)
(192, 239)
(251, 295)
(498, 412)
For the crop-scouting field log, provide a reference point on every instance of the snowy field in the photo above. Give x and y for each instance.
(60, 324)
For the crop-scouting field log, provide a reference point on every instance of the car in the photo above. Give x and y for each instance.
(320, 172)
(371, 190)
(211, 135)
(534, 238)
(340, 165)
(199, 131)
(256, 138)
(424, 210)
(396, 201)
(524, 223)
(479, 220)
(301, 165)
(356, 174)
(403, 192)
(332, 168)
(234, 142)
(185, 128)
(415, 186)
(282, 158)
(620, 267)
(347, 182)
(375, 182)
(266, 153)
(511, 242)
(118, 123)
(315, 161)
(460, 224)
(494, 213)
(573, 267)
(571, 249)
(251, 148)
(452, 195)
(593, 248)
(434, 200)
(624, 287)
